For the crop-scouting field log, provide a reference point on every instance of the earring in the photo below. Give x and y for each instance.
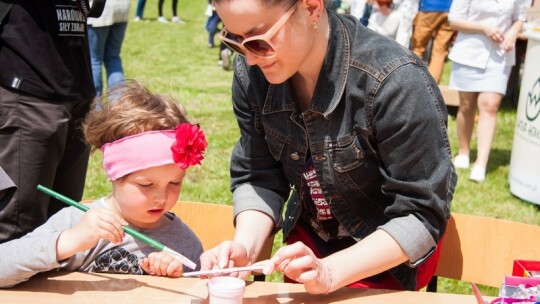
(315, 25)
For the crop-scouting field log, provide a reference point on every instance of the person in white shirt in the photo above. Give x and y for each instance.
(357, 8)
(384, 19)
(407, 10)
(482, 55)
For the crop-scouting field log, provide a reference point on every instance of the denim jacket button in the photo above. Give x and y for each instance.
(319, 158)
(294, 156)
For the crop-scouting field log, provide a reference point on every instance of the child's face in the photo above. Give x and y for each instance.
(143, 196)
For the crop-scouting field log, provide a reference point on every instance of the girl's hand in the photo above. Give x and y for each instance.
(162, 264)
(95, 224)
(298, 262)
(494, 33)
(225, 255)
(100, 223)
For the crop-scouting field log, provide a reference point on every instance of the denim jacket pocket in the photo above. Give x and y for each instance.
(354, 162)
(275, 147)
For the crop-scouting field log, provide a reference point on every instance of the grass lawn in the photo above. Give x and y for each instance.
(174, 59)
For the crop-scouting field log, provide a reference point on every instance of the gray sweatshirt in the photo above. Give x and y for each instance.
(36, 252)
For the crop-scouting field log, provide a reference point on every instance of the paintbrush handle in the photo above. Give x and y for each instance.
(62, 198)
(136, 234)
(223, 271)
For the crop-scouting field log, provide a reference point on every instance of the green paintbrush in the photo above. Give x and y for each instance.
(136, 234)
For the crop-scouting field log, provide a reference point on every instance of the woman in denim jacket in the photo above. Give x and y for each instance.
(351, 129)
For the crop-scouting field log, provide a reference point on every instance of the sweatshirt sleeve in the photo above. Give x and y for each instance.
(35, 252)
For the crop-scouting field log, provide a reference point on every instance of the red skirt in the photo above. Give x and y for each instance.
(383, 280)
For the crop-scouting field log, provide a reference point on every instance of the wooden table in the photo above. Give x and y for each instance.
(77, 287)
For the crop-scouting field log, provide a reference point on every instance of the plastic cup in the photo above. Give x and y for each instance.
(226, 290)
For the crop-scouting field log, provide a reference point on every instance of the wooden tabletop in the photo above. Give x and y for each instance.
(78, 287)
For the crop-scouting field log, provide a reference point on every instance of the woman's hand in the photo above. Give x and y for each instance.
(298, 262)
(95, 224)
(509, 42)
(162, 264)
(511, 36)
(494, 33)
(225, 255)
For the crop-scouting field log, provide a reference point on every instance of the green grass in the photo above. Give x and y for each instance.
(174, 60)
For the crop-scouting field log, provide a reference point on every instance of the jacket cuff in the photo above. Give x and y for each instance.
(250, 197)
(412, 236)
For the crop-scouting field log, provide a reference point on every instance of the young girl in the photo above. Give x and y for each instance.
(147, 144)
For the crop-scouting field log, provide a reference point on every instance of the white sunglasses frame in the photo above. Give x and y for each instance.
(266, 37)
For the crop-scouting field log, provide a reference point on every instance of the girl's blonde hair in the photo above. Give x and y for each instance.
(128, 109)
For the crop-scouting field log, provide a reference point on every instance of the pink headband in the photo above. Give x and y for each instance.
(185, 146)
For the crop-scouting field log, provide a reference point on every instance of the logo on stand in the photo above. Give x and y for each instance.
(532, 104)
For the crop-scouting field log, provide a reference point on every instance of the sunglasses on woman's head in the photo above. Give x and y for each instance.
(258, 45)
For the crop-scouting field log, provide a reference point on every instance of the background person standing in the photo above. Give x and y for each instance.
(212, 23)
(174, 18)
(407, 10)
(483, 55)
(431, 22)
(105, 36)
(45, 91)
(384, 19)
(140, 10)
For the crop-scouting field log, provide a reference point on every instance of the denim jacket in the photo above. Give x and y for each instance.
(376, 131)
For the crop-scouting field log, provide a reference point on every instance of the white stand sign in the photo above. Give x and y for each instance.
(524, 177)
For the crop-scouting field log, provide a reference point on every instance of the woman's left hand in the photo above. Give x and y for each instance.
(509, 42)
(298, 262)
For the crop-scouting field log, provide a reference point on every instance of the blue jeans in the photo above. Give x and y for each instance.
(140, 8)
(212, 27)
(105, 45)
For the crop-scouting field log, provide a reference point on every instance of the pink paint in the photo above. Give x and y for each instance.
(226, 290)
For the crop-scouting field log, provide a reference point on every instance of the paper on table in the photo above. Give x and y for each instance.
(223, 270)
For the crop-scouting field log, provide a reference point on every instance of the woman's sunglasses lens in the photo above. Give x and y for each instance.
(259, 47)
(233, 47)
(233, 37)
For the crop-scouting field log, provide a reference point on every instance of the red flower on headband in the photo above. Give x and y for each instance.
(188, 149)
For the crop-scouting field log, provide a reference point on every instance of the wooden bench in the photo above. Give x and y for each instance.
(451, 97)
(213, 224)
(482, 250)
